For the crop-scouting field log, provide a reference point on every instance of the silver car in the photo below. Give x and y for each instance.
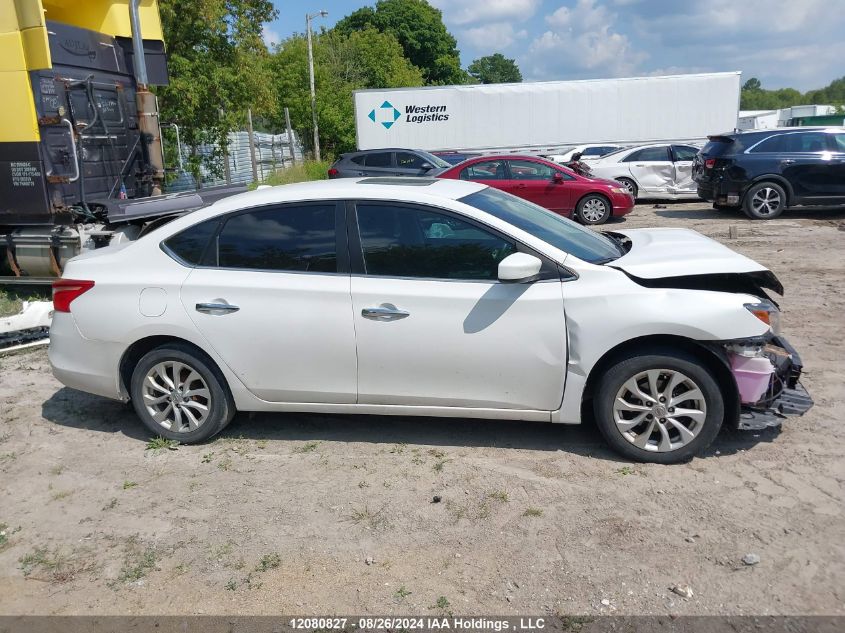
(660, 171)
(387, 162)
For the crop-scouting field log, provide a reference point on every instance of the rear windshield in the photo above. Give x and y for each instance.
(718, 146)
(553, 229)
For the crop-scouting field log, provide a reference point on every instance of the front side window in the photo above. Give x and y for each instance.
(530, 170)
(379, 159)
(648, 155)
(838, 142)
(287, 238)
(407, 160)
(400, 241)
(553, 229)
(684, 153)
(485, 170)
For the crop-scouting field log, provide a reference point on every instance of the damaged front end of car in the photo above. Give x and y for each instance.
(767, 372)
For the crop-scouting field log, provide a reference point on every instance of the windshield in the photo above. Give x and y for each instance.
(551, 228)
(434, 160)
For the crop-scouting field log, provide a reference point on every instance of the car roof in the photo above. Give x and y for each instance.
(387, 188)
(387, 149)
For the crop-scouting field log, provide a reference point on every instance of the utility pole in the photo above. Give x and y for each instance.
(308, 18)
(251, 145)
(290, 139)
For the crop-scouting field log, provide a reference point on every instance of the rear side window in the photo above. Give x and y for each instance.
(684, 152)
(529, 170)
(292, 238)
(409, 161)
(190, 245)
(358, 160)
(648, 155)
(379, 159)
(839, 142)
(771, 144)
(413, 242)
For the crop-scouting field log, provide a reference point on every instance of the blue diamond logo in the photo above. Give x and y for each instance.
(385, 114)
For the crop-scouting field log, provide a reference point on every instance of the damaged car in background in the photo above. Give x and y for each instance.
(430, 297)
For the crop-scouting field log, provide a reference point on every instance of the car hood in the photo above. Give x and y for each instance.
(668, 254)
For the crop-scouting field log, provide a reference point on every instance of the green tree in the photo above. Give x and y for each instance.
(342, 63)
(755, 97)
(217, 62)
(420, 31)
(495, 69)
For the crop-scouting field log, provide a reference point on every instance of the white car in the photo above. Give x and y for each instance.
(588, 152)
(416, 296)
(661, 171)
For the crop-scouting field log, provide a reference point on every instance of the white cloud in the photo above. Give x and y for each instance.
(270, 36)
(467, 12)
(582, 42)
(492, 37)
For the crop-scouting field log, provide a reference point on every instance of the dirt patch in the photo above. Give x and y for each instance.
(331, 514)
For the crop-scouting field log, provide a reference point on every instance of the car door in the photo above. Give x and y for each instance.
(379, 164)
(535, 181)
(807, 163)
(434, 325)
(272, 299)
(652, 169)
(837, 163)
(682, 159)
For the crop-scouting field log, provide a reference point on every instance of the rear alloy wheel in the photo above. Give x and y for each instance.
(630, 185)
(764, 201)
(179, 394)
(593, 209)
(661, 408)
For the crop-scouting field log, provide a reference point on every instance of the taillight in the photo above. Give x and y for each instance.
(66, 290)
(333, 172)
(710, 163)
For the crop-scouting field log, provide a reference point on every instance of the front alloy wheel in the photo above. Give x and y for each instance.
(659, 410)
(661, 405)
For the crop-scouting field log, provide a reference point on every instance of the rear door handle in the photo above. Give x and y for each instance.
(520, 185)
(385, 312)
(216, 308)
(787, 161)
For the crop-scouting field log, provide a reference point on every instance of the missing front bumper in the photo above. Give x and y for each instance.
(791, 401)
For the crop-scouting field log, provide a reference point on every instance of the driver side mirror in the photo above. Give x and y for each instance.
(519, 268)
(426, 166)
(557, 178)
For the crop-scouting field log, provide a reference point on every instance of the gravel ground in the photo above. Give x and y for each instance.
(316, 514)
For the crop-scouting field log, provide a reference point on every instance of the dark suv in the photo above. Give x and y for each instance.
(767, 171)
(387, 162)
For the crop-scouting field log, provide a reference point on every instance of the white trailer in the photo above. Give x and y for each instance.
(545, 115)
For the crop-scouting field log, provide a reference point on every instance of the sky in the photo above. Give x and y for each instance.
(784, 43)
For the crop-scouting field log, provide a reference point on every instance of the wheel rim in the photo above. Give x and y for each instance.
(593, 210)
(176, 396)
(660, 410)
(765, 201)
(629, 186)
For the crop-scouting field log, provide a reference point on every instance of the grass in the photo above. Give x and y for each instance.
(309, 170)
(129, 484)
(225, 464)
(52, 565)
(269, 561)
(137, 564)
(308, 447)
(11, 299)
(499, 495)
(402, 593)
(206, 459)
(61, 494)
(626, 470)
(57, 470)
(442, 603)
(532, 512)
(161, 443)
(367, 518)
(5, 532)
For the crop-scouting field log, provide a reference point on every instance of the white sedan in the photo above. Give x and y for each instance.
(661, 171)
(426, 297)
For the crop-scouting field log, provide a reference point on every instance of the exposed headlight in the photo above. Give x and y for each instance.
(767, 312)
(618, 190)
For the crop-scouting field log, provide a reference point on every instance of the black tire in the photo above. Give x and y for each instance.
(775, 201)
(630, 185)
(612, 383)
(587, 209)
(219, 405)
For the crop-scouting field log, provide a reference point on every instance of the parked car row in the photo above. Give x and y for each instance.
(761, 172)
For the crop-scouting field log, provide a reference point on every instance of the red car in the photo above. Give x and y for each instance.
(591, 200)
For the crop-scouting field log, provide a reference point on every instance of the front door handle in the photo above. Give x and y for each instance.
(216, 308)
(385, 312)
(787, 161)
